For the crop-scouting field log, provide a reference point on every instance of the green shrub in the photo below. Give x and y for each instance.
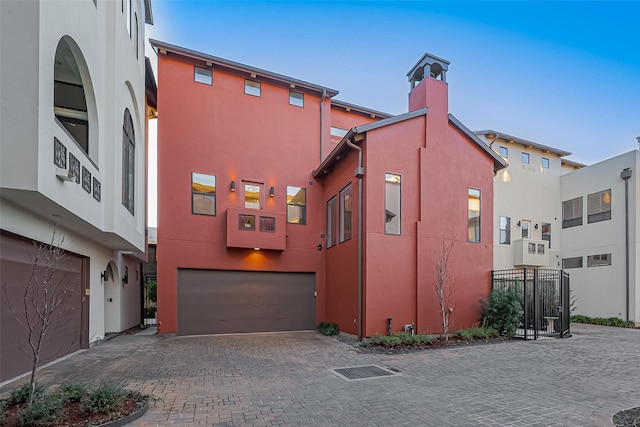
(45, 411)
(400, 339)
(72, 392)
(152, 290)
(103, 398)
(503, 312)
(21, 394)
(328, 329)
(604, 321)
(481, 333)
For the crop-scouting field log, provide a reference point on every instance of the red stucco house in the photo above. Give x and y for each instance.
(280, 207)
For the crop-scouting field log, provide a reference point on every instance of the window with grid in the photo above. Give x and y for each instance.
(599, 206)
(473, 215)
(573, 262)
(598, 260)
(346, 210)
(572, 212)
(505, 230)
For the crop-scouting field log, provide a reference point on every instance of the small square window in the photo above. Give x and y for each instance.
(202, 75)
(252, 88)
(504, 152)
(545, 163)
(525, 158)
(296, 98)
(247, 222)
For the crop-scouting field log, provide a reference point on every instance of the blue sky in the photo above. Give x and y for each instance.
(562, 74)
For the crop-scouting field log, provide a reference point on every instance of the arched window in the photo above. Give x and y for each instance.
(69, 101)
(136, 33)
(128, 162)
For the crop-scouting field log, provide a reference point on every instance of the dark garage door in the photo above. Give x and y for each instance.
(220, 302)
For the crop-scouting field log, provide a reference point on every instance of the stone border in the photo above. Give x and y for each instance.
(126, 420)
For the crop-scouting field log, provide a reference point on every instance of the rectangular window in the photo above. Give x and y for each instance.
(525, 158)
(546, 232)
(392, 204)
(203, 75)
(531, 248)
(540, 248)
(296, 98)
(247, 222)
(252, 195)
(505, 230)
(574, 262)
(203, 194)
(504, 152)
(572, 212)
(332, 222)
(526, 227)
(598, 260)
(346, 210)
(545, 163)
(473, 207)
(296, 205)
(599, 206)
(252, 88)
(268, 224)
(339, 132)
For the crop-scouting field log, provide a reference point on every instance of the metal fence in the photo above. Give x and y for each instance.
(544, 295)
(149, 300)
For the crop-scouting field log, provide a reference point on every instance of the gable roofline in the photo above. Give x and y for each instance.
(163, 47)
(572, 163)
(492, 133)
(360, 109)
(338, 152)
(498, 162)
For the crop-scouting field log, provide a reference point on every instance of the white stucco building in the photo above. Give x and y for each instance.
(551, 212)
(73, 154)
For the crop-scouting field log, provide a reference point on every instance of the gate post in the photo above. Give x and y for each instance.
(536, 304)
(524, 302)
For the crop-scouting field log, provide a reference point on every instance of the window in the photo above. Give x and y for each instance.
(540, 248)
(572, 212)
(296, 205)
(252, 88)
(252, 195)
(128, 16)
(599, 206)
(136, 33)
(296, 98)
(203, 194)
(268, 224)
(203, 75)
(545, 163)
(247, 222)
(526, 227)
(392, 204)
(473, 207)
(531, 248)
(505, 230)
(339, 132)
(598, 260)
(332, 222)
(574, 262)
(346, 211)
(504, 152)
(525, 158)
(546, 232)
(128, 161)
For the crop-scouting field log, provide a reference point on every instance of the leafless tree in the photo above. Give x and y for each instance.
(444, 285)
(42, 305)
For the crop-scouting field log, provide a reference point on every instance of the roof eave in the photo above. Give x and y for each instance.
(498, 162)
(523, 142)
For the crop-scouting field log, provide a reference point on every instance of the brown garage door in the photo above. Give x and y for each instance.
(67, 331)
(220, 302)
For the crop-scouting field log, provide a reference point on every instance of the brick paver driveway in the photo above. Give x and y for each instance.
(284, 379)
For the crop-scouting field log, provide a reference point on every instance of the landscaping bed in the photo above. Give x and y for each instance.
(628, 418)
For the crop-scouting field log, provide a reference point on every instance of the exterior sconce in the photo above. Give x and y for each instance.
(518, 224)
(104, 275)
(535, 226)
(272, 192)
(319, 246)
(232, 186)
(125, 279)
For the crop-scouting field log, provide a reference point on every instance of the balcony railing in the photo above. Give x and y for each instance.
(530, 252)
(256, 229)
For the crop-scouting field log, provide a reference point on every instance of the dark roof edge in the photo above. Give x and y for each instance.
(506, 137)
(151, 89)
(239, 66)
(360, 109)
(498, 162)
(331, 158)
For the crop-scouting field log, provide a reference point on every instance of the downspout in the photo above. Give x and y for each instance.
(494, 140)
(359, 173)
(324, 95)
(625, 175)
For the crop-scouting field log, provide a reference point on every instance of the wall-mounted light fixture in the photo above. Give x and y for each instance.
(272, 192)
(518, 224)
(232, 186)
(319, 246)
(104, 276)
(535, 226)
(125, 279)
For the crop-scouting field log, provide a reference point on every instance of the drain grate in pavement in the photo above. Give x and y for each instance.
(362, 372)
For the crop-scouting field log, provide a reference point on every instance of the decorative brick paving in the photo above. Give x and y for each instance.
(284, 380)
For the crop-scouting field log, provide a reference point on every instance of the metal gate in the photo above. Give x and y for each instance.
(149, 300)
(544, 295)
